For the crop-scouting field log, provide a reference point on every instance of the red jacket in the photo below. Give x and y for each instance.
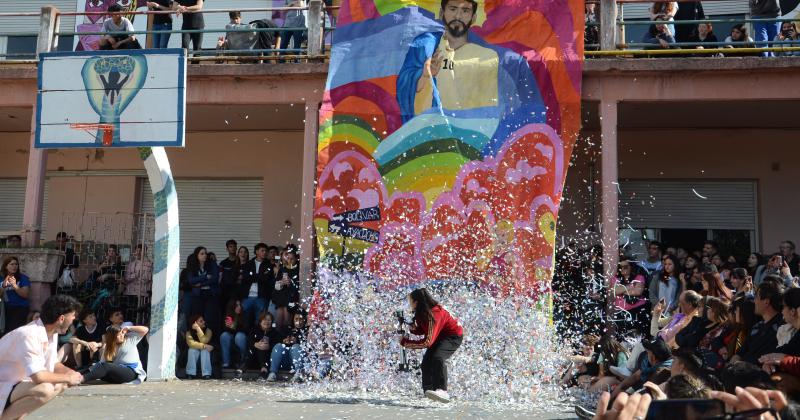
(443, 324)
(791, 365)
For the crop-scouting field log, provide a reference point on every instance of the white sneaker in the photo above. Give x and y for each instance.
(272, 377)
(438, 395)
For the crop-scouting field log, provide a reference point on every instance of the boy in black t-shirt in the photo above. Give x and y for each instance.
(87, 339)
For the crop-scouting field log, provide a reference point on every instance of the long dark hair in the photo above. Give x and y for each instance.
(676, 267)
(110, 342)
(759, 262)
(4, 268)
(716, 286)
(192, 320)
(610, 348)
(425, 304)
(193, 264)
(238, 264)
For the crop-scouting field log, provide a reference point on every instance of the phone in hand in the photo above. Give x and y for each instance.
(689, 409)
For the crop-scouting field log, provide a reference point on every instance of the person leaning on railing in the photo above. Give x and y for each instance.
(161, 21)
(739, 34)
(659, 34)
(788, 33)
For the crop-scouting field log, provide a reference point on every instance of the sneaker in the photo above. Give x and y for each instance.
(237, 375)
(272, 377)
(206, 377)
(438, 395)
(583, 413)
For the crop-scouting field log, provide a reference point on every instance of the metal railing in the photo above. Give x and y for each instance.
(605, 37)
(309, 41)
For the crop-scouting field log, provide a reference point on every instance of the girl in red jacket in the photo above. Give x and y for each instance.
(442, 335)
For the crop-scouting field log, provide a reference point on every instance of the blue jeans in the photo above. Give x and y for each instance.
(283, 358)
(764, 32)
(205, 362)
(241, 344)
(254, 304)
(286, 39)
(161, 40)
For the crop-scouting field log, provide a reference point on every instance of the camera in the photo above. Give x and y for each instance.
(403, 366)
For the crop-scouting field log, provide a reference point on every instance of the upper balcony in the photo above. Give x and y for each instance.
(615, 29)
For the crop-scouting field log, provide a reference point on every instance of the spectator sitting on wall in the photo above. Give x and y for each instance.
(263, 339)
(289, 353)
(17, 289)
(788, 33)
(119, 30)
(120, 362)
(197, 338)
(235, 330)
(703, 34)
(740, 36)
(13, 241)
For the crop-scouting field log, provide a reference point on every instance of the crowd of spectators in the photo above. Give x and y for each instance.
(678, 323)
(237, 313)
(668, 32)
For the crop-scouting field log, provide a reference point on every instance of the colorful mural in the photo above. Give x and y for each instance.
(456, 120)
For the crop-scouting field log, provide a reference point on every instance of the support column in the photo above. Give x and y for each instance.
(315, 24)
(166, 266)
(37, 158)
(307, 237)
(609, 224)
(608, 25)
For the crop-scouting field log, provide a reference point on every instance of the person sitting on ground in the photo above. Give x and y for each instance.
(583, 367)
(234, 332)
(197, 339)
(116, 39)
(763, 337)
(88, 339)
(659, 34)
(16, 287)
(120, 362)
(658, 356)
(263, 339)
(288, 354)
(30, 374)
(286, 294)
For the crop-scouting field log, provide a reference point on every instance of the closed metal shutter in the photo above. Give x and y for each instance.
(710, 8)
(688, 204)
(212, 211)
(12, 206)
(30, 24)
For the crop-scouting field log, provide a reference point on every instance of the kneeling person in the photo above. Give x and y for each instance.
(30, 374)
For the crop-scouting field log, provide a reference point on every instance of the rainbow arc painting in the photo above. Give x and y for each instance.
(455, 121)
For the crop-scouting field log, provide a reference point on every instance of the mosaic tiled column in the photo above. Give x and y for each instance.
(166, 266)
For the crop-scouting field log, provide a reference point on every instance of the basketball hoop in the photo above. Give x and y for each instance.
(108, 130)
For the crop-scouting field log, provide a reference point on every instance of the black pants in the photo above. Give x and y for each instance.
(196, 40)
(434, 362)
(263, 357)
(16, 316)
(110, 372)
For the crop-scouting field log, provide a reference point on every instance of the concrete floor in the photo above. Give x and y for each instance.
(221, 399)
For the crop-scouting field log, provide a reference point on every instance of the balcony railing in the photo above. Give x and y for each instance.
(604, 36)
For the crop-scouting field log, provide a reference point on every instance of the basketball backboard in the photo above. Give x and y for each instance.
(132, 98)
